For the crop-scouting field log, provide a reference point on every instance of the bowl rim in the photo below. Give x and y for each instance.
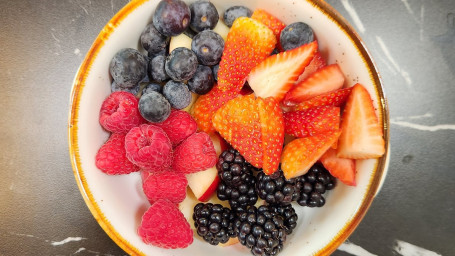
(79, 82)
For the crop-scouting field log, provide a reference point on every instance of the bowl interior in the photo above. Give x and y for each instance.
(117, 202)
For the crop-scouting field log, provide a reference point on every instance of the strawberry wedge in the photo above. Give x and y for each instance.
(248, 43)
(277, 74)
(361, 135)
(334, 98)
(312, 121)
(324, 80)
(270, 21)
(340, 168)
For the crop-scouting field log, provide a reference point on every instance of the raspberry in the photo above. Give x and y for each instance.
(157, 186)
(149, 147)
(111, 157)
(194, 154)
(163, 225)
(178, 126)
(119, 112)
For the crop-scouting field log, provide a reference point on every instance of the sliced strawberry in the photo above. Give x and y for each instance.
(316, 63)
(270, 21)
(238, 122)
(361, 135)
(272, 132)
(277, 74)
(312, 121)
(248, 43)
(341, 168)
(324, 80)
(300, 154)
(334, 98)
(206, 105)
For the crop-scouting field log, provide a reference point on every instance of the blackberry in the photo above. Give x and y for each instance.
(313, 185)
(261, 230)
(233, 169)
(275, 189)
(288, 214)
(239, 197)
(214, 223)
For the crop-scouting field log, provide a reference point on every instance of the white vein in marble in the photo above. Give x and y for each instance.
(355, 17)
(354, 249)
(407, 249)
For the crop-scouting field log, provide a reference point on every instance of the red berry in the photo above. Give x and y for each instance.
(149, 147)
(163, 225)
(165, 185)
(111, 157)
(194, 154)
(119, 112)
(178, 126)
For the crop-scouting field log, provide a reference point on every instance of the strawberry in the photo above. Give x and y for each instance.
(270, 21)
(206, 105)
(324, 80)
(316, 63)
(196, 153)
(341, 168)
(312, 121)
(334, 98)
(300, 154)
(248, 43)
(277, 74)
(253, 126)
(361, 135)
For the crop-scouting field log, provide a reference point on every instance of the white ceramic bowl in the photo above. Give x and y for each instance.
(117, 202)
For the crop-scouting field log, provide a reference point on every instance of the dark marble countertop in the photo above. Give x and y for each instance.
(43, 42)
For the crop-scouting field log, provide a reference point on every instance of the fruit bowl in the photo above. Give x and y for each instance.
(118, 202)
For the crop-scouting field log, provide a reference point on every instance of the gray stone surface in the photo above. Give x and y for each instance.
(42, 44)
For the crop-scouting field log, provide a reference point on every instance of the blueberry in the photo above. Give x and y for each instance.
(152, 87)
(181, 64)
(208, 47)
(177, 94)
(152, 40)
(128, 67)
(203, 16)
(156, 69)
(115, 88)
(202, 81)
(171, 17)
(154, 107)
(215, 71)
(234, 12)
(295, 35)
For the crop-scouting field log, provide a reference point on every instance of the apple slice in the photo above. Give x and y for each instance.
(204, 183)
(219, 143)
(187, 207)
(221, 29)
(181, 40)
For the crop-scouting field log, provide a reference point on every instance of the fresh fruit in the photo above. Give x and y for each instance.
(326, 79)
(204, 183)
(187, 208)
(335, 98)
(270, 21)
(222, 30)
(277, 74)
(152, 87)
(215, 71)
(255, 128)
(232, 168)
(316, 63)
(157, 186)
(208, 47)
(300, 154)
(149, 147)
(295, 35)
(177, 93)
(116, 88)
(153, 41)
(178, 126)
(341, 168)
(206, 105)
(312, 121)
(128, 67)
(234, 12)
(111, 157)
(361, 135)
(153, 107)
(248, 43)
(289, 216)
(194, 154)
(214, 223)
(202, 81)
(171, 17)
(119, 112)
(157, 70)
(313, 185)
(276, 189)
(189, 108)
(181, 40)
(163, 225)
(261, 230)
(239, 197)
(218, 142)
(181, 64)
(204, 16)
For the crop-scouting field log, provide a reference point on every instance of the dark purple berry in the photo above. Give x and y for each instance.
(203, 16)
(115, 88)
(208, 47)
(152, 87)
(181, 64)
(295, 35)
(202, 81)
(153, 41)
(234, 12)
(128, 67)
(177, 94)
(157, 70)
(171, 17)
(215, 71)
(154, 107)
